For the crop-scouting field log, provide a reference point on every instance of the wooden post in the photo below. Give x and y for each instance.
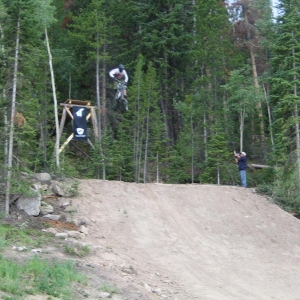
(66, 142)
(94, 122)
(62, 122)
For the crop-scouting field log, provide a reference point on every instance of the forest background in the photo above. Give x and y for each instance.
(206, 77)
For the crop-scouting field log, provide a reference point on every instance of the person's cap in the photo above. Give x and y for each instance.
(244, 153)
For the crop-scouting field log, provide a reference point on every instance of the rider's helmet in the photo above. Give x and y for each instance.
(121, 67)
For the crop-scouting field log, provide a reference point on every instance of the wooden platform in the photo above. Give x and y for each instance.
(67, 109)
(72, 102)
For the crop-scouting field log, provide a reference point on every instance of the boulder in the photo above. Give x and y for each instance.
(30, 204)
(46, 209)
(52, 217)
(43, 177)
(57, 190)
(61, 235)
(75, 234)
(84, 230)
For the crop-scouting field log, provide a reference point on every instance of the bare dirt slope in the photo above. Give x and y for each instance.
(192, 241)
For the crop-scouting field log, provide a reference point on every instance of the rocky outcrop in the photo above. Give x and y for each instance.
(43, 187)
(48, 201)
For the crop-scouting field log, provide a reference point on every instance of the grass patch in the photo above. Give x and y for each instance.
(108, 289)
(37, 276)
(77, 250)
(22, 277)
(20, 236)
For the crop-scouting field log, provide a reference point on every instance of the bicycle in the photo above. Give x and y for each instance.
(121, 102)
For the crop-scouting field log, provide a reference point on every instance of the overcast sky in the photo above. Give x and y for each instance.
(274, 4)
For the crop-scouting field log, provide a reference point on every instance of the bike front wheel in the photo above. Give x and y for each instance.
(125, 104)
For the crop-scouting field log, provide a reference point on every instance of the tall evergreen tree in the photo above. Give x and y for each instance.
(154, 130)
(186, 144)
(88, 27)
(216, 166)
(242, 100)
(285, 92)
(147, 124)
(165, 37)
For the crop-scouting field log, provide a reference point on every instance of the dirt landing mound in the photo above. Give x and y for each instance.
(192, 241)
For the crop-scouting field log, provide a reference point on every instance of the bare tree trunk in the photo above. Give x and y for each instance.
(164, 102)
(139, 163)
(6, 135)
(5, 109)
(11, 129)
(255, 81)
(43, 125)
(103, 91)
(259, 106)
(146, 142)
(205, 138)
(297, 125)
(193, 149)
(140, 148)
(137, 133)
(269, 116)
(70, 86)
(54, 100)
(98, 92)
(157, 168)
(99, 109)
(242, 124)
(225, 110)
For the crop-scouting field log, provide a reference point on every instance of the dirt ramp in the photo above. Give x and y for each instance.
(194, 241)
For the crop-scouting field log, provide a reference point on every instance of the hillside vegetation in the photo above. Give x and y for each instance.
(205, 78)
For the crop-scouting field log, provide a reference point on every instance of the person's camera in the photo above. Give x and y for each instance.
(235, 154)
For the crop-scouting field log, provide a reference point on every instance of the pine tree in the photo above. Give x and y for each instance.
(89, 28)
(285, 86)
(242, 98)
(186, 144)
(147, 124)
(154, 130)
(216, 166)
(165, 37)
(212, 61)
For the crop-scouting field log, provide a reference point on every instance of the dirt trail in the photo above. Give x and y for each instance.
(192, 241)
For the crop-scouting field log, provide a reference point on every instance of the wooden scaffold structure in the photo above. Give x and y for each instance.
(67, 110)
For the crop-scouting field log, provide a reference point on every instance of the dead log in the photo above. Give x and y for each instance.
(258, 166)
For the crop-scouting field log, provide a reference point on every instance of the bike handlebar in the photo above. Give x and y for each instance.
(120, 81)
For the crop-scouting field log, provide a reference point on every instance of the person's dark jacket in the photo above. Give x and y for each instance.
(242, 162)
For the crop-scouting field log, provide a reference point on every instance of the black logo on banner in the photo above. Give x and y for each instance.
(79, 123)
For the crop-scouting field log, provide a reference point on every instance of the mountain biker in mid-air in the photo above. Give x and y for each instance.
(121, 75)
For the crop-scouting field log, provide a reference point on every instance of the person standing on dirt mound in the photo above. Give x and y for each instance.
(241, 161)
(121, 75)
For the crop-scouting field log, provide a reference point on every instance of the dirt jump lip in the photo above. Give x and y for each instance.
(193, 241)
